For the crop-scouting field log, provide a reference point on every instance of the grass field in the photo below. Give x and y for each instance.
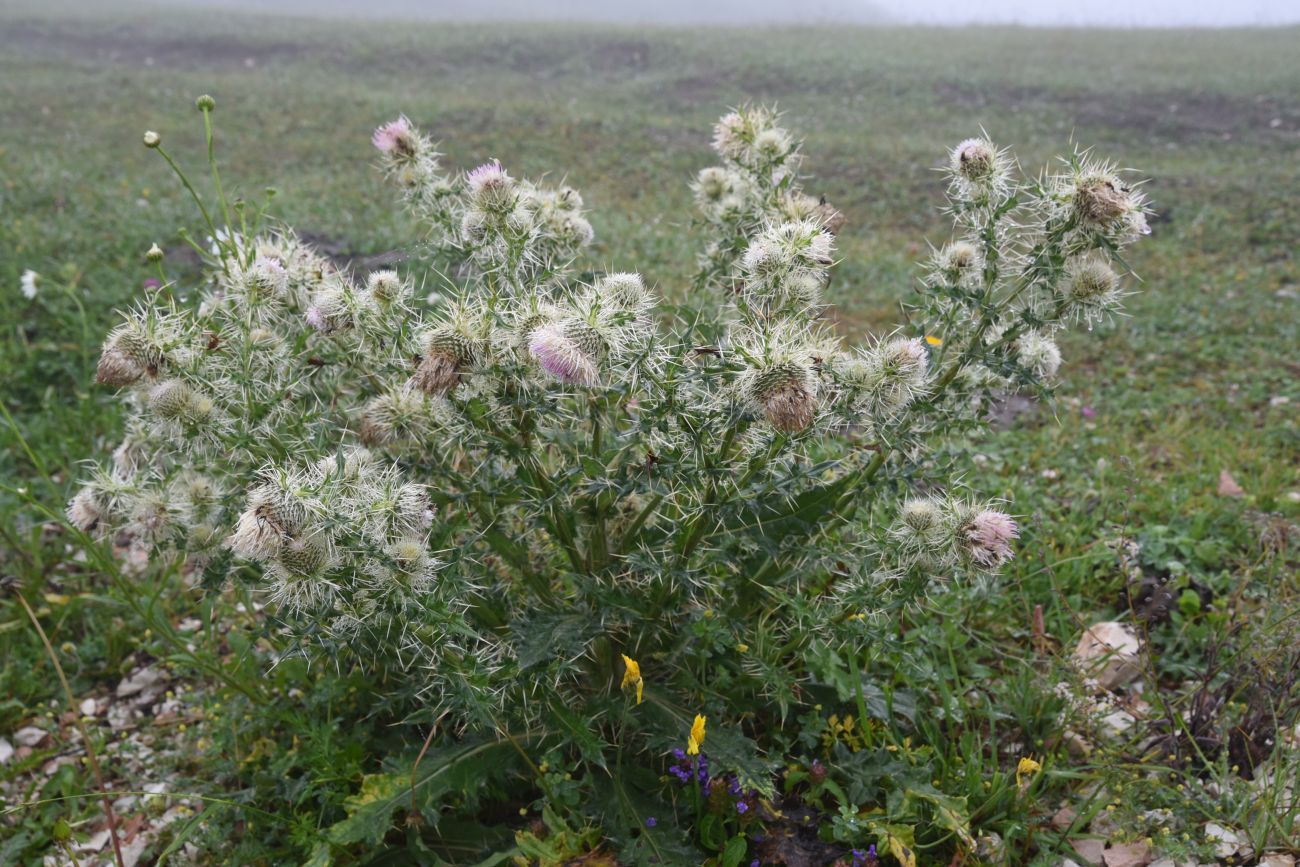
(1199, 380)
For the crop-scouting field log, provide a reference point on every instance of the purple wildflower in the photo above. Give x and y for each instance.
(560, 356)
(394, 136)
(651, 821)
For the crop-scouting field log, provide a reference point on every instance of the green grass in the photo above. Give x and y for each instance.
(1189, 385)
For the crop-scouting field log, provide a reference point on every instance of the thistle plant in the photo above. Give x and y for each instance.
(557, 504)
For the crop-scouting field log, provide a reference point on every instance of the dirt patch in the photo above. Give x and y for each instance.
(1162, 114)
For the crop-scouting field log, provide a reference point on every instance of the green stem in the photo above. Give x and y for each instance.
(216, 176)
(185, 181)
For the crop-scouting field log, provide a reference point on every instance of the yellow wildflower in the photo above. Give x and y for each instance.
(933, 341)
(632, 676)
(1027, 768)
(696, 738)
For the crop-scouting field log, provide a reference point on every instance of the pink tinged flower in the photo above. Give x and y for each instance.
(152, 283)
(560, 356)
(1089, 412)
(315, 318)
(487, 177)
(988, 538)
(270, 265)
(393, 137)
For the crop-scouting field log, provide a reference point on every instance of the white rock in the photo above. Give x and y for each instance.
(1110, 653)
(29, 736)
(1227, 843)
(94, 843)
(1277, 859)
(88, 707)
(138, 682)
(1117, 724)
(6, 751)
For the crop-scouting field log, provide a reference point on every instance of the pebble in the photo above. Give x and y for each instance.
(29, 736)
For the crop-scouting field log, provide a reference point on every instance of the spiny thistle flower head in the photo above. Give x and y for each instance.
(405, 415)
(885, 378)
(396, 139)
(388, 288)
(722, 194)
(336, 306)
(447, 350)
(922, 526)
(749, 137)
(260, 288)
(86, 509)
(173, 399)
(1091, 286)
(980, 172)
(272, 518)
(1039, 353)
(1107, 210)
(569, 350)
(985, 538)
(780, 382)
(957, 264)
(141, 347)
(491, 187)
(785, 267)
(626, 293)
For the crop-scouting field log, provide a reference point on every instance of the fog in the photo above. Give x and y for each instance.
(1106, 13)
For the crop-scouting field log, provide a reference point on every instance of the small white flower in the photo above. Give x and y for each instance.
(28, 283)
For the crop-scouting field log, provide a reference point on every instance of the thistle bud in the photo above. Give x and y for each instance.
(272, 519)
(729, 135)
(446, 351)
(387, 287)
(624, 291)
(1091, 286)
(958, 263)
(980, 172)
(473, 226)
(152, 139)
(1039, 353)
(154, 254)
(303, 557)
(127, 356)
(171, 399)
(785, 393)
(205, 103)
(712, 183)
(773, 144)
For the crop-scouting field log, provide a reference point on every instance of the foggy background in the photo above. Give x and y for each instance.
(1110, 13)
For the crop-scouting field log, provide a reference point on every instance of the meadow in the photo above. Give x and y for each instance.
(1176, 429)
